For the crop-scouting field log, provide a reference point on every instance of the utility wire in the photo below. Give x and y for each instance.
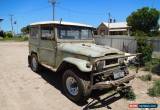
(78, 12)
(153, 3)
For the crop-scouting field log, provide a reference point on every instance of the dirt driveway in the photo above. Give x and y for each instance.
(22, 89)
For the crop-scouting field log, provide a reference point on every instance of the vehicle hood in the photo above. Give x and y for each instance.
(88, 49)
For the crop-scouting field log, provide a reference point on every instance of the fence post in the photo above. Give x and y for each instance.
(111, 42)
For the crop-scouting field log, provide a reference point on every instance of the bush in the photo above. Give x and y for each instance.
(16, 38)
(144, 48)
(147, 77)
(153, 66)
(129, 94)
(155, 90)
(8, 35)
(25, 38)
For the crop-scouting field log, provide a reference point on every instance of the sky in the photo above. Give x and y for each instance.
(91, 12)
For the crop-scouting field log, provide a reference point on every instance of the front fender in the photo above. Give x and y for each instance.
(79, 63)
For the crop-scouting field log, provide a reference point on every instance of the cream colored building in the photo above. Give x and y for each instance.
(117, 28)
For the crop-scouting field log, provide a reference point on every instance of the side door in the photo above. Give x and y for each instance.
(47, 45)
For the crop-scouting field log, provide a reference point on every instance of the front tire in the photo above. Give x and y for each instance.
(76, 86)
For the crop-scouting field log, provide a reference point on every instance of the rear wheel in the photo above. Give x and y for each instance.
(34, 63)
(76, 87)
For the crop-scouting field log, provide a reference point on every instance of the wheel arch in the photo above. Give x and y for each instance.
(79, 64)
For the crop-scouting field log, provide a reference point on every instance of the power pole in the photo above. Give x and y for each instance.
(16, 24)
(53, 2)
(11, 19)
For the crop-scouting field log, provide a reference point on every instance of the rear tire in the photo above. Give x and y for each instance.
(76, 85)
(34, 63)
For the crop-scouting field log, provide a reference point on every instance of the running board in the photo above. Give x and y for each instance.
(49, 67)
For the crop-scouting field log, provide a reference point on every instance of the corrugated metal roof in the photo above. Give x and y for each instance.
(116, 25)
(62, 23)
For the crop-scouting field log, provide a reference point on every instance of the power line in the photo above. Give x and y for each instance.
(153, 3)
(79, 12)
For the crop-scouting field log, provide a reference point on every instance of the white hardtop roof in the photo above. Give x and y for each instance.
(116, 25)
(61, 23)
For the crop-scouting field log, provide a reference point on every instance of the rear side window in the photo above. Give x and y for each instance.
(47, 32)
(34, 32)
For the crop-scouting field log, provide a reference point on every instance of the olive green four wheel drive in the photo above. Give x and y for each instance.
(69, 48)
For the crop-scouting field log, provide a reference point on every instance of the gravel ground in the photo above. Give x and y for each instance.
(22, 89)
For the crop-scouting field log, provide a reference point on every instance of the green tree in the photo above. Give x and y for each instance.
(144, 20)
(145, 49)
(2, 34)
(25, 30)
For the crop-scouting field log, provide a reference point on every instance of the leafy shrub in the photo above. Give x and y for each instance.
(144, 48)
(16, 38)
(129, 94)
(25, 38)
(156, 69)
(147, 77)
(155, 90)
(153, 66)
(8, 35)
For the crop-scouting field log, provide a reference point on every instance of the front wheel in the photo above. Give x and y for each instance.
(76, 86)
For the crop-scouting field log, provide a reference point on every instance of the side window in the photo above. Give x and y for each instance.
(34, 32)
(47, 32)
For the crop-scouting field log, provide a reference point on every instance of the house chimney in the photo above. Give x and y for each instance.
(114, 20)
(110, 20)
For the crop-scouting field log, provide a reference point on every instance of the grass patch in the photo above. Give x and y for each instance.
(147, 77)
(19, 39)
(155, 90)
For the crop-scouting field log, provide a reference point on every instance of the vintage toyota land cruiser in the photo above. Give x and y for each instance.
(69, 49)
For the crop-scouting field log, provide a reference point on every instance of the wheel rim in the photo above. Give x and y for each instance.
(34, 64)
(72, 86)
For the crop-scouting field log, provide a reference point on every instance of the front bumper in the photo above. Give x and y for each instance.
(113, 83)
(108, 72)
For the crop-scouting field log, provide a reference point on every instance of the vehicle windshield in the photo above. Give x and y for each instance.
(75, 33)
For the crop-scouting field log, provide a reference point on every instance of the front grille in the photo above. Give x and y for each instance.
(111, 61)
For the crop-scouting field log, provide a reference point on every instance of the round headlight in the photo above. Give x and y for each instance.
(88, 65)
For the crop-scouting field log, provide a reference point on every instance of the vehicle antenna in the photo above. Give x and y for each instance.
(61, 20)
